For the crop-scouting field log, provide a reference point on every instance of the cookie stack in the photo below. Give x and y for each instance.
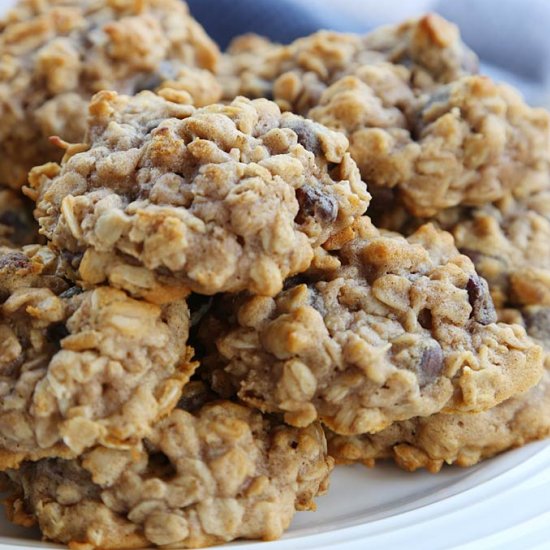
(208, 308)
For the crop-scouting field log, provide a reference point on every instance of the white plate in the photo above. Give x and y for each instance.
(502, 503)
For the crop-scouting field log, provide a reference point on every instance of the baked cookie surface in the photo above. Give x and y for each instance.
(81, 367)
(54, 55)
(470, 142)
(215, 474)
(509, 243)
(386, 329)
(428, 49)
(462, 439)
(166, 198)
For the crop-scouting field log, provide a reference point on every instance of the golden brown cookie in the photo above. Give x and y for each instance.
(55, 54)
(81, 367)
(428, 49)
(219, 473)
(164, 198)
(462, 439)
(467, 143)
(386, 329)
(509, 243)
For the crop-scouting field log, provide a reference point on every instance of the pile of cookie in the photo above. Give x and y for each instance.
(221, 274)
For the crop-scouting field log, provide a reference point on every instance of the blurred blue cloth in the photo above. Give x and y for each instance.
(278, 20)
(511, 37)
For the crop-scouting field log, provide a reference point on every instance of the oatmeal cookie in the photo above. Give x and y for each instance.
(55, 54)
(508, 243)
(384, 329)
(165, 198)
(220, 473)
(81, 367)
(17, 226)
(429, 49)
(467, 143)
(462, 439)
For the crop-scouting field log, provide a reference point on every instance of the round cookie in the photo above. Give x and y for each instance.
(81, 367)
(508, 243)
(384, 329)
(467, 143)
(428, 49)
(461, 439)
(164, 198)
(55, 54)
(220, 473)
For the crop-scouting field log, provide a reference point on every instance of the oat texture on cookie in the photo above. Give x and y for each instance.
(467, 143)
(55, 54)
(508, 241)
(209, 476)
(462, 439)
(164, 198)
(77, 367)
(428, 50)
(385, 329)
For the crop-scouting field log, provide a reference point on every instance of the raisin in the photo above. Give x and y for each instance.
(483, 310)
(431, 364)
(56, 332)
(307, 137)
(315, 204)
(425, 319)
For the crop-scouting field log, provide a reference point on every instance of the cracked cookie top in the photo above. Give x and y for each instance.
(81, 367)
(216, 474)
(385, 329)
(164, 198)
(55, 54)
(429, 49)
(467, 143)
